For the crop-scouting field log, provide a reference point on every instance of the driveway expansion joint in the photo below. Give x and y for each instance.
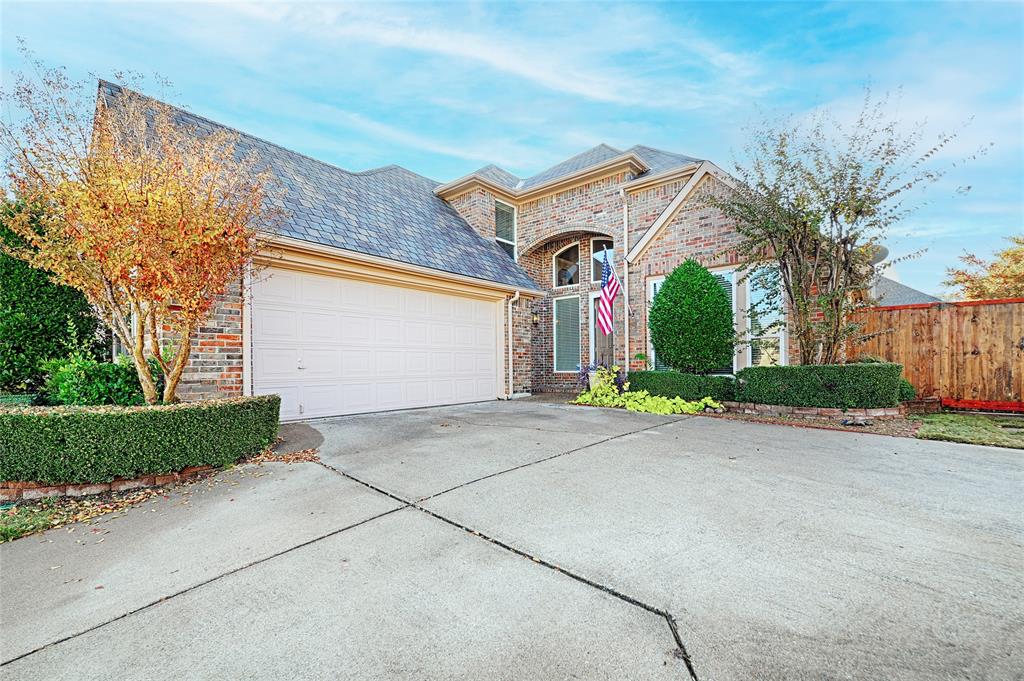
(534, 463)
(670, 619)
(203, 583)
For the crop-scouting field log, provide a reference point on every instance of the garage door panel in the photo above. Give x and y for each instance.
(356, 397)
(356, 363)
(440, 362)
(289, 398)
(440, 334)
(275, 324)
(320, 400)
(356, 329)
(368, 347)
(279, 286)
(320, 326)
(441, 307)
(389, 299)
(320, 291)
(416, 333)
(321, 363)
(387, 331)
(356, 295)
(390, 362)
(275, 362)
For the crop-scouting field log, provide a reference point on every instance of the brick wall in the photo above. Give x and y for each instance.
(215, 365)
(477, 208)
(696, 231)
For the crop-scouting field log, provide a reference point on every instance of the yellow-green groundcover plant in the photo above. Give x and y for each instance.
(604, 393)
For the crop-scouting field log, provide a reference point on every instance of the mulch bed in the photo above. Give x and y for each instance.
(897, 427)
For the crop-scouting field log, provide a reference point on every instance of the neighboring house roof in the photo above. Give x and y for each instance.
(388, 212)
(891, 292)
(651, 161)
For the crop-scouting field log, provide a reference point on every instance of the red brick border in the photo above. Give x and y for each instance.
(813, 412)
(14, 490)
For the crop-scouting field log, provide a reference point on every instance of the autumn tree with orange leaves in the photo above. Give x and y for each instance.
(1001, 278)
(147, 216)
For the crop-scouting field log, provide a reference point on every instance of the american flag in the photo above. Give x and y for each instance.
(609, 289)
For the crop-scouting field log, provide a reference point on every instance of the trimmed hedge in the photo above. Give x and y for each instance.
(62, 445)
(838, 386)
(687, 386)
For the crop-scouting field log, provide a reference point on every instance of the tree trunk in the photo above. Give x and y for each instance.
(145, 376)
(178, 368)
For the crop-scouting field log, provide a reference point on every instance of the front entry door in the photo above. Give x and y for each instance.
(603, 346)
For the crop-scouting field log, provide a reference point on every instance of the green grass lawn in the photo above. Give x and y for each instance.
(999, 431)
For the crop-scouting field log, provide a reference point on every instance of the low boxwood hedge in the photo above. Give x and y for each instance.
(838, 386)
(686, 386)
(59, 445)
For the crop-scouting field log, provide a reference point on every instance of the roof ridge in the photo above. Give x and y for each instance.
(327, 164)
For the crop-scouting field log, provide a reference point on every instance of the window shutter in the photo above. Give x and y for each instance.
(567, 334)
(504, 222)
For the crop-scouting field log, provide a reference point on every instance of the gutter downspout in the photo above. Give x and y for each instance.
(511, 386)
(625, 270)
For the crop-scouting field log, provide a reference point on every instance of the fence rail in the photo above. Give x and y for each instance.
(968, 354)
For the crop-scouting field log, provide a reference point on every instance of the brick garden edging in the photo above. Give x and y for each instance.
(12, 490)
(813, 412)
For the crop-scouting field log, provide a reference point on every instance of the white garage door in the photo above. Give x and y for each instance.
(330, 345)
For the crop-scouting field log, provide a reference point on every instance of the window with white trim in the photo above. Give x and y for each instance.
(565, 266)
(727, 280)
(765, 325)
(566, 333)
(505, 228)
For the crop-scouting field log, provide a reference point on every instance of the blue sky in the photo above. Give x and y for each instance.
(445, 88)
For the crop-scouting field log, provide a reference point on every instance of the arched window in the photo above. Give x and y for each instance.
(597, 249)
(566, 266)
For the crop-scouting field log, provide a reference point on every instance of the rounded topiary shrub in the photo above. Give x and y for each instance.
(691, 321)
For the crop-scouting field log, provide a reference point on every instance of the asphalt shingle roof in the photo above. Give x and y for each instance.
(657, 160)
(891, 292)
(389, 212)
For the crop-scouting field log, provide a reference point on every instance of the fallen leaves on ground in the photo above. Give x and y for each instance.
(302, 456)
(29, 517)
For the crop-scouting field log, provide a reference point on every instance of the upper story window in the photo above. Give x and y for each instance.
(597, 257)
(505, 228)
(567, 266)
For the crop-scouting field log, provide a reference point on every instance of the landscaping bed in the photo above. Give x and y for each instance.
(58, 446)
(897, 427)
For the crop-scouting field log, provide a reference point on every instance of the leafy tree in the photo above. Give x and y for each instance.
(812, 204)
(150, 217)
(1001, 278)
(691, 321)
(39, 320)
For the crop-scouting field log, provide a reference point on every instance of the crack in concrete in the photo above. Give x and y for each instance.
(547, 458)
(667, 616)
(201, 584)
(611, 591)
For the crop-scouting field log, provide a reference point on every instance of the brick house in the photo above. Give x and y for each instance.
(387, 290)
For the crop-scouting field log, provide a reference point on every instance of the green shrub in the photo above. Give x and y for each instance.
(686, 386)
(691, 321)
(605, 393)
(79, 380)
(907, 391)
(841, 386)
(39, 320)
(59, 445)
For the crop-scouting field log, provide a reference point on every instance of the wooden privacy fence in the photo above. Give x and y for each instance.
(969, 354)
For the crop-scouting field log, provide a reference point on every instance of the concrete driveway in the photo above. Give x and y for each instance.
(534, 540)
